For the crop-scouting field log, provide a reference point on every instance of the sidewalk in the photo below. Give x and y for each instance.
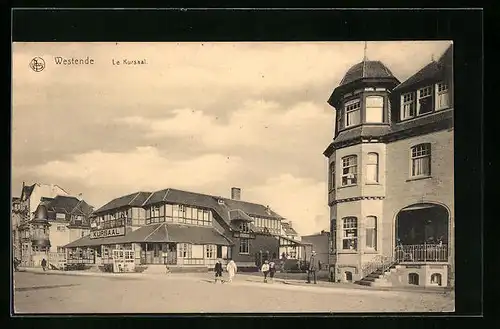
(331, 285)
(241, 277)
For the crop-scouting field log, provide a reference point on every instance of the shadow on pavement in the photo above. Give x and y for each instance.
(45, 287)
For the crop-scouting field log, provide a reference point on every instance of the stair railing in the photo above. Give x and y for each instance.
(378, 263)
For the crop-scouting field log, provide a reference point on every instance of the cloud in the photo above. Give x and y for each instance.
(301, 200)
(258, 123)
(141, 169)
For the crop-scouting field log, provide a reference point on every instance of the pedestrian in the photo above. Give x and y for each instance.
(218, 271)
(312, 268)
(272, 270)
(231, 270)
(44, 264)
(265, 270)
(16, 264)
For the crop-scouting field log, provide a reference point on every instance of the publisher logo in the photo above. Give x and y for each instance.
(37, 64)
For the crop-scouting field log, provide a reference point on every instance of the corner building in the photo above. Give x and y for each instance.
(391, 176)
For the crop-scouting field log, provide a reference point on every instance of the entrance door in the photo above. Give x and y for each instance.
(219, 251)
(172, 254)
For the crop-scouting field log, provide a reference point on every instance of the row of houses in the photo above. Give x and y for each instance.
(170, 226)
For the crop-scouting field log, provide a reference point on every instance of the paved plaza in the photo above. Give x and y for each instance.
(196, 293)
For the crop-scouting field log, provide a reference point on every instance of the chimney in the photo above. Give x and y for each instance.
(236, 193)
(290, 223)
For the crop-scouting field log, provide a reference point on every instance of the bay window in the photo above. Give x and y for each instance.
(350, 233)
(371, 232)
(374, 109)
(353, 113)
(349, 170)
(421, 160)
(372, 168)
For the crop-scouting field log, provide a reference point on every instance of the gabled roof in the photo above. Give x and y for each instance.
(433, 71)
(133, 200)
(27, 190)
(252, 209)
(237, 214)
(60, 203)
(288, 229)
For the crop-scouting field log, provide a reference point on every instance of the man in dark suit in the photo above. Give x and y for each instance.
(313, 267)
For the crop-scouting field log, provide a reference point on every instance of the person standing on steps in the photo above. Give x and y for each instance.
(218, 271)
(231, 270)
(313, 267)
(265, 270)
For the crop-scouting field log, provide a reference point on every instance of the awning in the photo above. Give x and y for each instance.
(163, 232)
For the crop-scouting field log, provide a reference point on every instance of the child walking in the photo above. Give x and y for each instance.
(265, 270)
(218, 271)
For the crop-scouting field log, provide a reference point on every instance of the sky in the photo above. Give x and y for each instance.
(203, 117)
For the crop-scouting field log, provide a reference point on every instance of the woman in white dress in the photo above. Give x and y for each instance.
(231, 270)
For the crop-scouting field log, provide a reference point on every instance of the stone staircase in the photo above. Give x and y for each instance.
(379, 278)
(378, 272)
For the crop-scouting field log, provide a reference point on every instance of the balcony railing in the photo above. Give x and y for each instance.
(421, 253)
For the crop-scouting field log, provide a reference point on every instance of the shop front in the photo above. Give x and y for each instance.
(155, 244)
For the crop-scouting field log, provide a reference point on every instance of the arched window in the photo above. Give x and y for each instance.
(350, 233)
(374, 109)
(349, 170)
(371, 232)
(421, 160)
(372, 168)
(436, 279)
(413, 278)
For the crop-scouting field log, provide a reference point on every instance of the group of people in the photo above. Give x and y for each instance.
(268, 269)
(231, 269)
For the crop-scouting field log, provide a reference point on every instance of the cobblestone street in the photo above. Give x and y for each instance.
(195, 293)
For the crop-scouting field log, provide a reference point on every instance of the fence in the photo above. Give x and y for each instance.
(421, 253)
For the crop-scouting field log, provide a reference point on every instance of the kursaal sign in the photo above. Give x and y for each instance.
(107, 232)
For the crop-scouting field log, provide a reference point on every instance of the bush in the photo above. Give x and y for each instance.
(76, 267)
(106, 268)
(140, 269)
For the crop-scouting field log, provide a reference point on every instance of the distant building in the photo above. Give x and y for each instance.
(321, 244)
(391, 175)
(55, 221)
(181, 229)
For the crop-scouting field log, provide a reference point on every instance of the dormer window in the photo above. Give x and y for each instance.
(442, 96)
(408, 106)
(221, 201)
(424, 100)
(353, 113)
(374, 109)
(244, 227)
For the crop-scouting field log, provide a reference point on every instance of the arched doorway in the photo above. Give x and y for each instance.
(422, 233)
(348, 276)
